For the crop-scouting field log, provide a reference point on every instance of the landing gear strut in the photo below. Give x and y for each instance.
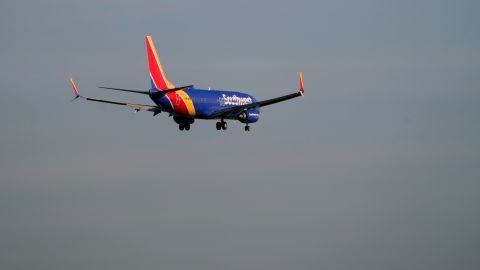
(247, 128)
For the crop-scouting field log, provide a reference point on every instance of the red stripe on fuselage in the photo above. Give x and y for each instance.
(178, 103)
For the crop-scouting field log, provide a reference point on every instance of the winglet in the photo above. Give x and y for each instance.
(301, 84)
(75, 90)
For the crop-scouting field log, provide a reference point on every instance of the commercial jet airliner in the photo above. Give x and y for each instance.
(188, 103)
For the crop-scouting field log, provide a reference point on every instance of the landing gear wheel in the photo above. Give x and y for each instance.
(219, 126)
(181, 127)
(247, 128)
(187, 126)
(224, 125)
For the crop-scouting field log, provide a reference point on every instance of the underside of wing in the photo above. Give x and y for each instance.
(134, 106)
(240, 108)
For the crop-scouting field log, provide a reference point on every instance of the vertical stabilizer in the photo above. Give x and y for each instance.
(157, 76)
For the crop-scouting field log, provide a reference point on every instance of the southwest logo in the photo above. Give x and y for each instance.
(234, 100)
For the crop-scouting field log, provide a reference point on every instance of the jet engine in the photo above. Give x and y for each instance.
(249, 116)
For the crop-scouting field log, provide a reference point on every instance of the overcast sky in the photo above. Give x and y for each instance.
(377, 167)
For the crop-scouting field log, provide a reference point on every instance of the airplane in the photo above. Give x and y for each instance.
(187, 103)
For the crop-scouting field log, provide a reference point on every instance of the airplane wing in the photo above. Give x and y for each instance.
(241, 108)
(136, 107)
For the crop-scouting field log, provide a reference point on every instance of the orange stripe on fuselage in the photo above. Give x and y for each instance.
(182, 103)
(188, 102)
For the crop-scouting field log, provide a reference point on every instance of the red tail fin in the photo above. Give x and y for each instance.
(157, 76)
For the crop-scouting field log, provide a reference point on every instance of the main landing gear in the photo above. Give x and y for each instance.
(221, 125)
(247, 127)
(183, 122)
(183, 126)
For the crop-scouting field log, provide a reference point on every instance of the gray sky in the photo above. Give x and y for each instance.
(376, 167)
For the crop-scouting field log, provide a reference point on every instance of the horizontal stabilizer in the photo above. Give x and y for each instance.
(164, 92)
(125, 90)
(159, 93)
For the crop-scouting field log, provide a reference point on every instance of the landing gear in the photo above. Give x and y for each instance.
(183, 122)
(184, 126)
(247, 128)
(221, 125)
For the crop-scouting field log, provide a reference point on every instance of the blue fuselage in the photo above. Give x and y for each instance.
(201, 103)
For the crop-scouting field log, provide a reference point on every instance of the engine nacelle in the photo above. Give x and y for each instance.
(249, 116)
